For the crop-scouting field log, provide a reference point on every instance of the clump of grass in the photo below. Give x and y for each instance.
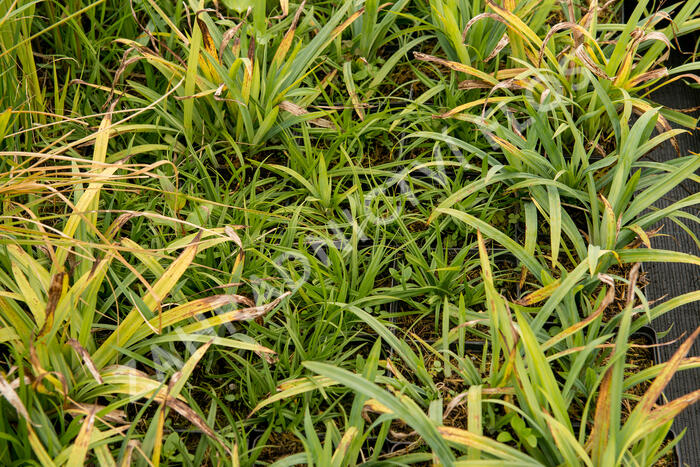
(68, 351)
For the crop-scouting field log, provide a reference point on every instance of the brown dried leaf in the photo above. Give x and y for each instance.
(87, 359)
(245, 314)
(656, 36)
(598, 438)
(446, 63)
(390, 366)
(12, 397)
(454, 403)
(400, 435)
(473, 322)
(478, 17)
(114, 416)
(581, 53)
(648, 76)
(351, 19)
(297, 110)
(187, 412)
(592, 12)
(201, 305)
(474, 84)
(692, 76)
(119, 223)
(240, 260)
(56, 378)
(502, 43)
(236, 46)
(658, 16)
(226, 38)
(130, 446)
(632, 282)
(54, 295)
(668, 411)
(555, 29)
(661, 381)
(662, 125)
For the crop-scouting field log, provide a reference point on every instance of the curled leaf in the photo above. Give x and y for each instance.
(588, 62)
(555, 29)
(479, 17)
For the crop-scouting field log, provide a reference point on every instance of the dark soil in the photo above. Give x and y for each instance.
(280, 445)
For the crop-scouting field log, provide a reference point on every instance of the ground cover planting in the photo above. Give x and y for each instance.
(339, 233)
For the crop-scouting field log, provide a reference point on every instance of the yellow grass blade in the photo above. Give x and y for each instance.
(342, 449)
(130, 325)
(456, 66)
(89, 199)
(82, 442)
(38, 272)
(210, 48)
(36, 305)
(122, 379)
(294, 388)
(102, 453)
(236, 315)
(181, 377)
(540, 294)
(283, 48)
(483, 443)
(191, 76)
(158, 442)
(8, 335)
